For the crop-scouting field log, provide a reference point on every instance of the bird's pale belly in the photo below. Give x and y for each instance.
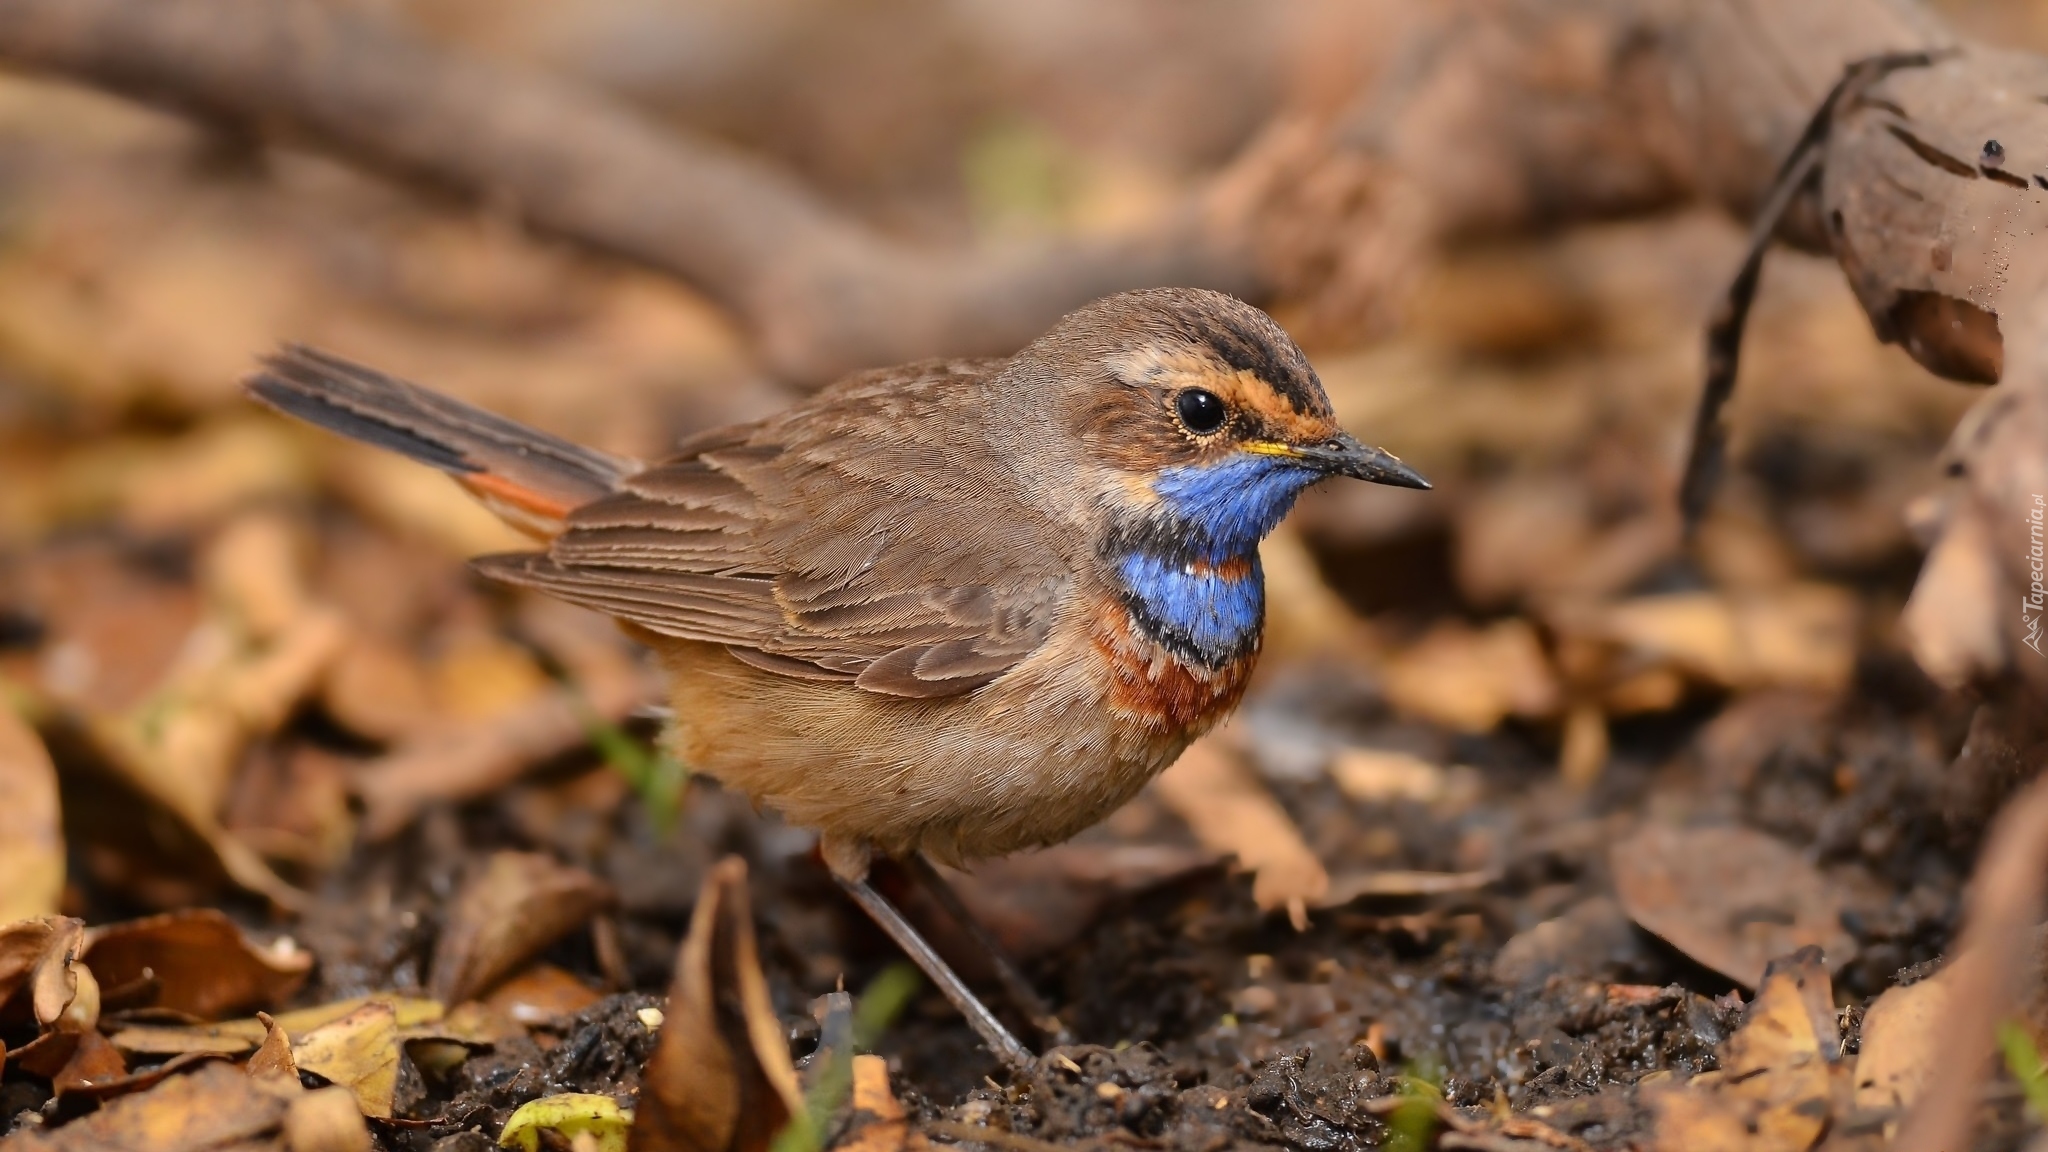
(1031, 759)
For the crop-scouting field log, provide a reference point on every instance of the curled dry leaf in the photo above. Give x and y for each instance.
(39, 965)
(1231, 812)
(31, 831)
(40, 957)
(720, 1078)
(359, 1052)
(1775, 1087)
(272, 1064)
(199, 961)
(510, 910)
(1731, 898)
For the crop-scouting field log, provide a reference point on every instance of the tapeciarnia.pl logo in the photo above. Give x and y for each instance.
(2036, 600)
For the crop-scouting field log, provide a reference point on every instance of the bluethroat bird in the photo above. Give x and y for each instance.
(948, 610)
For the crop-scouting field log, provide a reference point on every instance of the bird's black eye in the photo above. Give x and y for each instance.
(1200, 410)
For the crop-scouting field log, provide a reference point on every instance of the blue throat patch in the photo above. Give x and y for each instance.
(1190, 569)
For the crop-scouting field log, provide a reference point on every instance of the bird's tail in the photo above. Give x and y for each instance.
(530, 479)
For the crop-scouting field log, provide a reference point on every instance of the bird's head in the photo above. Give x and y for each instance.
(1201, 416)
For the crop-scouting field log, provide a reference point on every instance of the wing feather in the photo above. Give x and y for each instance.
(851, 539)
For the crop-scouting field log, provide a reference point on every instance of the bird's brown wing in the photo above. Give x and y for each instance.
(868, 535)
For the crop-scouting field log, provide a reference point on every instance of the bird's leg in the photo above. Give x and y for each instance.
(993, 1034)
(1023, 997)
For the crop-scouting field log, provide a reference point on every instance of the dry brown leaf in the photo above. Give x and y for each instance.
(359, 1052)
(94, 1064)
(1797, 636)
(262, 647)
(325, 1120)
(236, 1037)
(291, 803)
(720, 1078)
(115, 628)
(541, 994)
(1231, 812)
(1954, 620)
(1730, 897)
(479, 674)
(40, 957)
(31, 831)
(272, 1065)
(885, 1127)
(200, 962)
(375, 688)
(1773, 1091)
(1383, 775)
(507, 913)
(1472, 679)
(1898, 1048)
(213, 1107)
(1738, 742)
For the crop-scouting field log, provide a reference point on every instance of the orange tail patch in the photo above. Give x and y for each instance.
(533, 512)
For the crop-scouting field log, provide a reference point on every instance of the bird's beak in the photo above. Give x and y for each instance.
(1343, 455)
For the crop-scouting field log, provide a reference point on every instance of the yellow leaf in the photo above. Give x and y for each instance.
(570, 1114)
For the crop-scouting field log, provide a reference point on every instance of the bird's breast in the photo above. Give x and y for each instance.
(1153, 687)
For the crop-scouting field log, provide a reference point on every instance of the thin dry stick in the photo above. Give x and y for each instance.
(821, 292)
(1731, 314)
(2004, 903)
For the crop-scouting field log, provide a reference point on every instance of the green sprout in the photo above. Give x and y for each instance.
(657, 777)
(879, 1003)
(2023, 1060)
(1413, 1123)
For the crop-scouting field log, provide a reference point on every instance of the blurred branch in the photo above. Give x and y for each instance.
(821, 292)
(1506, 117)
